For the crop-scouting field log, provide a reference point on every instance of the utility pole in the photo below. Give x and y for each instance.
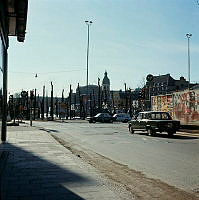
(91, 113)
(188, 35)
(75, 102)
(27, 106)
(149, 79)
(51, 103)
(56, 106)
(47, 107)
(99, 98)
(31, 104)
(88, 23)
(62, 96)
(80, 101)
(35, 99)
(43, 102)
(70, 102)
(130, 103)
(94, 103)
(67, 109)
(126, 98)
(38, 106)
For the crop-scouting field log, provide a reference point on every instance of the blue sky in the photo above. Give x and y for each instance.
(128, 38)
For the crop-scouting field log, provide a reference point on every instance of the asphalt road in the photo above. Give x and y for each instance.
(172, 160)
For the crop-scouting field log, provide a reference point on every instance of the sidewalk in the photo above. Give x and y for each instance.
(38, 167)
(191, 128)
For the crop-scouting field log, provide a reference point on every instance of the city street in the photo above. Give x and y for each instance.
(99, 101)
(174, 161)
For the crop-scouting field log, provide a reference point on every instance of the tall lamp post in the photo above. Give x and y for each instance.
(188, 35)
(88, 23)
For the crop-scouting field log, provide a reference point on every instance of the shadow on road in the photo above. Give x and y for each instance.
(48, 130)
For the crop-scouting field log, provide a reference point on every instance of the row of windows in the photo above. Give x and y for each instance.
(160, 84)
(157, 116)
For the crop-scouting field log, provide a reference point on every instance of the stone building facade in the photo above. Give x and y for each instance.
(165, 84)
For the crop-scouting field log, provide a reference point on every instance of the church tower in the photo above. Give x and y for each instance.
(106, 88)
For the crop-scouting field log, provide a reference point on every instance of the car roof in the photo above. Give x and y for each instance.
(153, 112)
(121, 114)
(102, 113)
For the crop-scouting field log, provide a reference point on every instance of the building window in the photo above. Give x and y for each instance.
(177, 87)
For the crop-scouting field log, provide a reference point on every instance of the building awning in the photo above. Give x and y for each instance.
(17, 18)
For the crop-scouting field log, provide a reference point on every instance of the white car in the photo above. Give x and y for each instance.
(122, 117)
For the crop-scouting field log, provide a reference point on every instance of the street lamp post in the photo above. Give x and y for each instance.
(88, 23)
(188, 35)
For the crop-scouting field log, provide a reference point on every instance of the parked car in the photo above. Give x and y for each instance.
(122, 117)
(101, 117)
(153, 122)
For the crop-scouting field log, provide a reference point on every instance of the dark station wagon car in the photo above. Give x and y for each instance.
(154, 121)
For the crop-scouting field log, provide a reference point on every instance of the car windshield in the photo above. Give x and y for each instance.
(166, 116)
(107, 115)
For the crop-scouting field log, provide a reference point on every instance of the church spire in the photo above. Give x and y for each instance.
(106, 80)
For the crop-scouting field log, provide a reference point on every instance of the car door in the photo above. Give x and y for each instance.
(142, 122)
(136, 123)
(107, 117)
(100, 118)
(119, 117)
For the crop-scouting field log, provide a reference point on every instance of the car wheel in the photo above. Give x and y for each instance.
(131, 129)
(150, 132)
(170, 133)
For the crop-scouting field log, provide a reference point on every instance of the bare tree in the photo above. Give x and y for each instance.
(17, 95)
(142, 82)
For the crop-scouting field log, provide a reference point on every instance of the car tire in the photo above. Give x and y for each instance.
(150, 132)
(131, 130)
(171, 133)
